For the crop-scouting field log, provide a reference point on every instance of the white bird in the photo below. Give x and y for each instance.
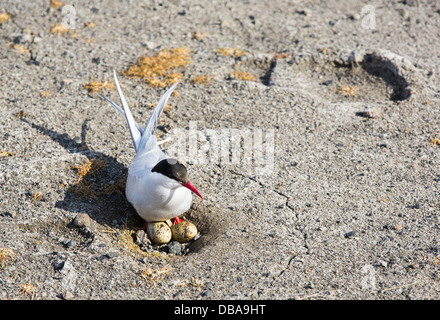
(157, 186)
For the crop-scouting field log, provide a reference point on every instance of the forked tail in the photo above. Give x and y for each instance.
(138, 135)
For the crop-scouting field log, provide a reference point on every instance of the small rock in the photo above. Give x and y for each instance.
(38, 39)
(309, 286)
(82, 220)
(102, 257)
(175, 248)
(371, 113)
(9, 214)
(64, 266)
(58, 265)
(382, 263)
(18, 39)
(142, 238)
(111, 255)
(67, 295)
(207, 293)
(350, 234)
(27, 38)
(68, 243)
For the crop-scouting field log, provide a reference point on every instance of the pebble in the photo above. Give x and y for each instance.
(68, 243)
(142, 238)
(82, 220)
(111, 255)
(175, 247)
(9, 214)
(350, 234)
(370, 113)
(67, 295)
(207, 293)
(382, 263)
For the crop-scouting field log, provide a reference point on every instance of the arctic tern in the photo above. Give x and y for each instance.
(157, 186)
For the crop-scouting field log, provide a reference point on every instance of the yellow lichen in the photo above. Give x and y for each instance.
(90, 24)
(20, 48)
(37, 197)
(347, 90)
(125, 238)
(162, 69)
(4, 154)
(59, 29)
(198, 35)
(282, 55)
(4, 17)
(45, 94)
(28, 289)
(21, 114)
(96, 86)
(230, 52)
(202, 79)
(6, 255)
(89, 168)
(242, 75)
(55, 4)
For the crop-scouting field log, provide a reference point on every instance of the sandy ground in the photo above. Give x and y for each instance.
(348, 206)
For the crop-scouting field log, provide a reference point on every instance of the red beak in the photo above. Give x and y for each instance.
(191, 187)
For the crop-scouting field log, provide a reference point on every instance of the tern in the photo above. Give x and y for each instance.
(157, 186)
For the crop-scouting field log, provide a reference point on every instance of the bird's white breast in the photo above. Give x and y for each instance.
(156, 197)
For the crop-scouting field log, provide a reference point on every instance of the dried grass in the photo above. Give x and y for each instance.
(6, 255)
(153, 276)
(28, 289)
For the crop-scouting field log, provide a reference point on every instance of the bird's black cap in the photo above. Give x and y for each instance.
(172, 169)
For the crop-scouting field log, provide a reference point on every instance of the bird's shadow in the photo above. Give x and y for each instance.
(98, 186)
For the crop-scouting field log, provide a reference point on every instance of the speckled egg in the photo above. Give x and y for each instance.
(184, 231)
(159, 232)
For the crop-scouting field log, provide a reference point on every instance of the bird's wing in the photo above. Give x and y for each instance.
(151, 125)
(135, 133)
(118, 108)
